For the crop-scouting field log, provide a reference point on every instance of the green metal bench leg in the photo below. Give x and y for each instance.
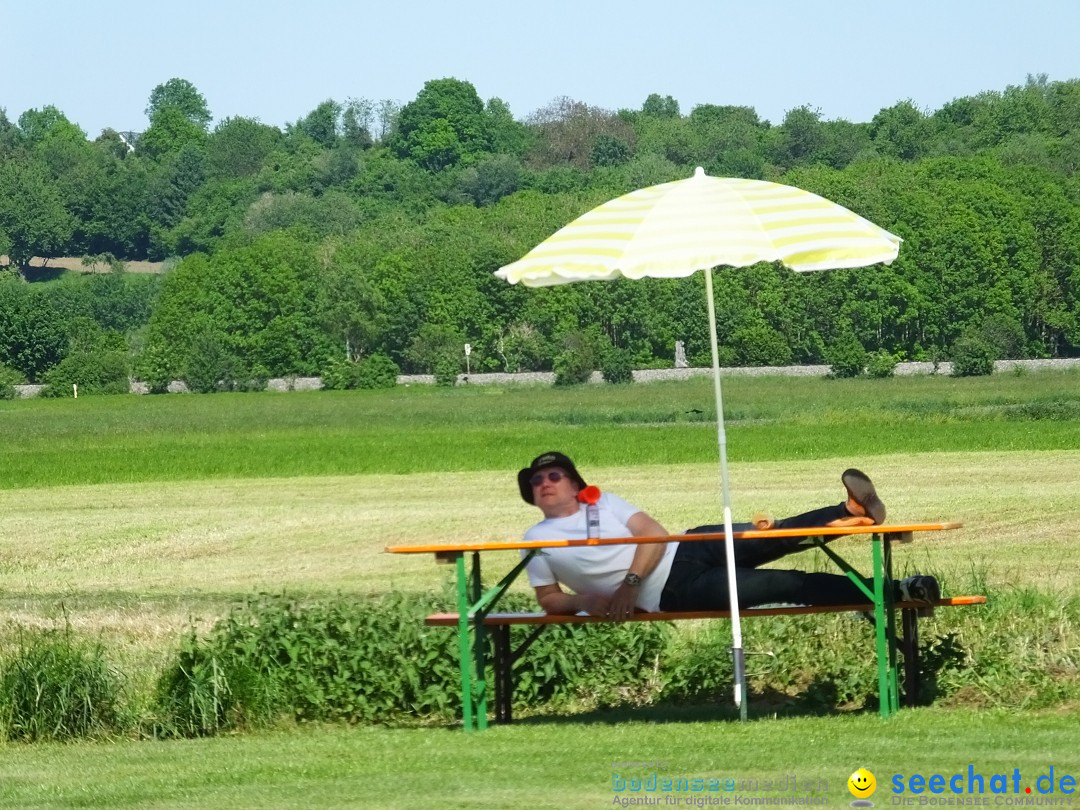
(473, 607)
(480, 686)
(912, 668)
(504, 674)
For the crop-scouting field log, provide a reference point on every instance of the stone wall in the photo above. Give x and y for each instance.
(644, 375)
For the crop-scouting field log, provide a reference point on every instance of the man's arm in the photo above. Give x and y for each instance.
(646, 557)
(554, 599)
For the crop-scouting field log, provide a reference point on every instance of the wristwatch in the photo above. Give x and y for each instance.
(632, 579)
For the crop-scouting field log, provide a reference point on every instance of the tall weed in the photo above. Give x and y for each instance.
(204, 691)
(57, 686)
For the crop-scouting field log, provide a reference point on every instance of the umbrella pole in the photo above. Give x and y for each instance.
(738, 659)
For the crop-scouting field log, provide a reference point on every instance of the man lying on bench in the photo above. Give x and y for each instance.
(614, 580)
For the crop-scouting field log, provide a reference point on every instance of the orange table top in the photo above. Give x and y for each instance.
(752, 534)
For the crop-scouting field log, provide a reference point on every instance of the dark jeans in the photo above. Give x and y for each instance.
(699, 579)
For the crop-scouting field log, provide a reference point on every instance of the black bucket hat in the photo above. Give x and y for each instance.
(543, 460)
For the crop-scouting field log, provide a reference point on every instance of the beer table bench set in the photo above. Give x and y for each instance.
(476, 615)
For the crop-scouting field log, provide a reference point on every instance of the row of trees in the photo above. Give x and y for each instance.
(367, 230)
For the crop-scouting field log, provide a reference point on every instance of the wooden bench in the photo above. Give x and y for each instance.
(506, 657)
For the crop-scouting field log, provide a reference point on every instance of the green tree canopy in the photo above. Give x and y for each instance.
(32, 213)
(900, 131)
(658, 106)
(322, 125)
(170, 131)
(443, 126)
(257, 304)
(183, 97)
(239, 147)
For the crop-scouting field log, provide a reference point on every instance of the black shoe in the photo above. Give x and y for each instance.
(861, 490)
(923, 589)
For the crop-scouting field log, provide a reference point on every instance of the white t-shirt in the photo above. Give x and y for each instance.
(595, 569)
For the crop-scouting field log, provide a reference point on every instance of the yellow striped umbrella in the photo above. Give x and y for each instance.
(674, 229)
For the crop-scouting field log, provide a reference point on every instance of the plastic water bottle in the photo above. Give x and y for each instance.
(592, 520)
(590, 496)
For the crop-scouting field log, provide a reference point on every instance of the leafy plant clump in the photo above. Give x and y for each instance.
(972, 356)
(276, 659)
(376, 371)
(333, 659)
(881, 364)
(583, 352)
(203, 691)
(56, 686)
(104, 372)
(374, 661)
(572, 368)
(617, 366)
(847, 357)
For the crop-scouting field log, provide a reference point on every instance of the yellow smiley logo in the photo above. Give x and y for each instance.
(861, 783)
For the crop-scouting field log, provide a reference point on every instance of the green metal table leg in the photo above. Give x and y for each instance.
(473, 607)
(464, 658)
(885, 628)
(884, 620)
(890, 612)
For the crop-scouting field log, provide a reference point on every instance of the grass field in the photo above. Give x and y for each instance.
(538, 765)
(423, 429)
(143, 558)
(129, 517)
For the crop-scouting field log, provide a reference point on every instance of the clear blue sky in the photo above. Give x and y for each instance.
(276, 60)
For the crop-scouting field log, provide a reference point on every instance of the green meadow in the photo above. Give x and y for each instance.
(132, 519)
(422, 429)
(539, 765)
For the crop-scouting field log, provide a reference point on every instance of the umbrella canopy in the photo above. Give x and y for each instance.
(674, 229)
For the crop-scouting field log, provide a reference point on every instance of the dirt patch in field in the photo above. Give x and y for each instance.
(75, 264)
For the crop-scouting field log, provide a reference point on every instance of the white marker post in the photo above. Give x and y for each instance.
(468, 351)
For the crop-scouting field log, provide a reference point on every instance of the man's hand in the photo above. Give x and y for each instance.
(595, 604)
(621, 605)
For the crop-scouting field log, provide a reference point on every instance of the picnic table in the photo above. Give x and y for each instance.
(476, 605)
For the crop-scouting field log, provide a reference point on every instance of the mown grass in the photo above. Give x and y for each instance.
(543, 763)
(135, 554)
(135, 565)
(423, 429)
(130, 517)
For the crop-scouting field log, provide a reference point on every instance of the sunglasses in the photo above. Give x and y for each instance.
(554, 476)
